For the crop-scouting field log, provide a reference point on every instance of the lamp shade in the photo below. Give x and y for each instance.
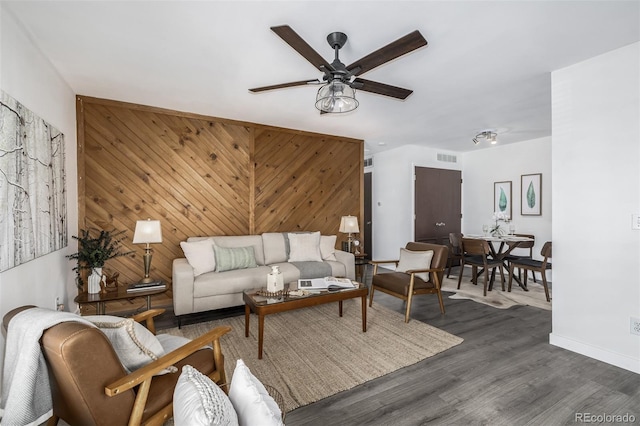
(349, 224)
(147, 232)
(336, 97)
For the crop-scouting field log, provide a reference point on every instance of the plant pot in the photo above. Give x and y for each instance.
(93, 281)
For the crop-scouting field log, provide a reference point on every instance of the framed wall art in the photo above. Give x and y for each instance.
(33, 206)
(502, 198)
(531, 195)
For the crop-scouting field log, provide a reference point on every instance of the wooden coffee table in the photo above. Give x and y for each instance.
(263, 306)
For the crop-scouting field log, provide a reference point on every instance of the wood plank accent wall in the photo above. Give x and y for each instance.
(203, 175)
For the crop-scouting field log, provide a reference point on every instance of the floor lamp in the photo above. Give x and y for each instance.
(147, 232)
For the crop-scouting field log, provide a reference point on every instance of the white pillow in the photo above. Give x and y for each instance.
(200, 255)
(415, 260)
(134, 344)
(304, 247)
(197, 400)
(328, 247)
(251, 400)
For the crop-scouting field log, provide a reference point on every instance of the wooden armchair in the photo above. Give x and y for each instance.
(407, 284)
(89, 385)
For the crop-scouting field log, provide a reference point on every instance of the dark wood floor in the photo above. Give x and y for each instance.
(504, 373)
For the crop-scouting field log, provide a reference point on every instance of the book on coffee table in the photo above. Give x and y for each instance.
(326, 283)
(154, 285)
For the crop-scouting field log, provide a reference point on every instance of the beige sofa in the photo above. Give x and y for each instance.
(203, 289)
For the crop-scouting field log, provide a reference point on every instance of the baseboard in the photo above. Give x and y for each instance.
(618, 360)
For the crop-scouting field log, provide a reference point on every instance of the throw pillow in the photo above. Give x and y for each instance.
(328, 247)
(230, 258)
(200, 256)
(304, 247)
(197, 400)
(133, 343)
(252, 402)
(415, 260)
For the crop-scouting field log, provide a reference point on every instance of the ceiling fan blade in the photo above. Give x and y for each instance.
(294, 40)
(283, 85)
(381, 88)
(402, 46)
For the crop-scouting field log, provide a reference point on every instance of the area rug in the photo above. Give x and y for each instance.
(312, 353)
(496, 297)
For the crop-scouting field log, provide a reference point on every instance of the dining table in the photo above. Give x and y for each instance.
(500, 253)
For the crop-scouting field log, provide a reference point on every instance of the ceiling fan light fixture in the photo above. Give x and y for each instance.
(336, 97)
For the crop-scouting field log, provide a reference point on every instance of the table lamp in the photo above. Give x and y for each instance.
(349, 225)
(147, 232)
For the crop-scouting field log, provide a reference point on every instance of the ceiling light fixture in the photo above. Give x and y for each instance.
(336, 97)
(488, 135)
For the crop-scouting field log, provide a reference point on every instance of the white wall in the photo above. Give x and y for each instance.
(507, 163)
(596, 188)
(29, 77)
(393, 195)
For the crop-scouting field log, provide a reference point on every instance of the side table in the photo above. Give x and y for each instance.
(122, 294)
(362, 263)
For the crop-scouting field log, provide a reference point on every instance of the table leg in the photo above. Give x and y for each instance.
(101, 308)
(247, 313)
(148, 302)
(340, 307)
(260, 334)
(364, 314)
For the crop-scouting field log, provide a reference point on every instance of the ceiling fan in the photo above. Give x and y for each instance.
(340, 81)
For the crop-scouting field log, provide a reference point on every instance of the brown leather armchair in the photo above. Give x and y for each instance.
(90, 386)
(405, 285)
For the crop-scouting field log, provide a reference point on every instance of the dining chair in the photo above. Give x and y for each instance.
(455, 250)
(522, 245)
(475, 252)
(534, 266)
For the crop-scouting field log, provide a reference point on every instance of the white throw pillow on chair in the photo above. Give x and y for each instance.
(415, 260)
(252, 402)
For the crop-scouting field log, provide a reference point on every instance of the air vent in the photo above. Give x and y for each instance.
(447, 158)
(368, 162)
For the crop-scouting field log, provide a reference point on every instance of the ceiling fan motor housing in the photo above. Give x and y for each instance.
(337, 39)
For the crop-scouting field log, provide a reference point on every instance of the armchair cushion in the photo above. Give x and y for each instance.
(250, 398)
(415, 260)
(133, 343)
(197, 400)
(200, 255)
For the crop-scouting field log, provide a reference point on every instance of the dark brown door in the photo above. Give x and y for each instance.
(438, 205)
(368, 248)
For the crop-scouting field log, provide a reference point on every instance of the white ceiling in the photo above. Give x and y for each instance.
(487, 65)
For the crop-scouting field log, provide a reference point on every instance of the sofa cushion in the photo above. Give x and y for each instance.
(275, 249)
(254, 241)
(232, 258)
(338, 269)
(200, 255)
(304, 247)
(229, 282)
(328, 247)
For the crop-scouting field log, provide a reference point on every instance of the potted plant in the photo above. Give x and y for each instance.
(95, 247)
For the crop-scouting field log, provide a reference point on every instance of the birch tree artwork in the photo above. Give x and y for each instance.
(33, 208)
